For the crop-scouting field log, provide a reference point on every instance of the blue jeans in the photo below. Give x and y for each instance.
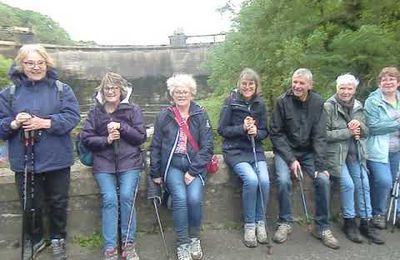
(350, 186)
(253, 184)
(381, 178)
(187, 200)
(128, 185)
(321, 191)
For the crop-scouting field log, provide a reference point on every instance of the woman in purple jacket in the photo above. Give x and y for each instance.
(114, 131)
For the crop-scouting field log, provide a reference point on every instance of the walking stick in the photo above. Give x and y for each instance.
(154, 194)
(253, 144)
(300, 177)
(28, 193)
(116, 151)
(394, 196)
(358, 145)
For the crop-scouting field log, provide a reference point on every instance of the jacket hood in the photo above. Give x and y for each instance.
(19, 77)
(357, 103)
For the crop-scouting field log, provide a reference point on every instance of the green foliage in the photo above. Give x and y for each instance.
(328, 36)
(91, 241)
(4, 66)
(44, 28)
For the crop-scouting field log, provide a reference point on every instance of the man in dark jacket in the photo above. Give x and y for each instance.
(299, 141)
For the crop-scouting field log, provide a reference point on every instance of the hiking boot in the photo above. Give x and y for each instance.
(261, 232)
(195, 249)
(281, 234)
(111, 254)
(379, 222)
(58, 249)
(39, 246)
(351, 230)
(327, 238)
(368, 230)
(129, 252)
(249, 238)
(183, 252)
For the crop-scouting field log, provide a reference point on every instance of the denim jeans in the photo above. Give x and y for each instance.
(321, 190)
(253, 184)
(128, 186)
(382, 176)
(187, 200)
(351, 186)
(51, 188)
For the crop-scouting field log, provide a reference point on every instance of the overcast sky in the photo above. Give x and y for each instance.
(131, 21)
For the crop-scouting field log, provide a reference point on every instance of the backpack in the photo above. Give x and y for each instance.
(84, 154)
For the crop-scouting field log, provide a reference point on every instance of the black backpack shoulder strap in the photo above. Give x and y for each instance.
(11, 95)
(60, 90)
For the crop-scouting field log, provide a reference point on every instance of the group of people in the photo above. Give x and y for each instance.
(333, 139)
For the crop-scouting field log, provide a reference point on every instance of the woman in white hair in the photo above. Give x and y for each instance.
(346, 136)
(182, 146)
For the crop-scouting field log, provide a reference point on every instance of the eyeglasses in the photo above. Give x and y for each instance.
(110, 89)
(31, 64)
(181, 93)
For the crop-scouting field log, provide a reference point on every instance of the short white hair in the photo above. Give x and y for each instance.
(303, 72)
(182, 80)
(346, 79)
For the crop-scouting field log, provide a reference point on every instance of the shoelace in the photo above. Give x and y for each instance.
(183, 254)
(328, 234)
(196, 247)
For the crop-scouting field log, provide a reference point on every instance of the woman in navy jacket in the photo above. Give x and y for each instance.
(181, 167)
(243, 124)
(114, 131)
(36, 118)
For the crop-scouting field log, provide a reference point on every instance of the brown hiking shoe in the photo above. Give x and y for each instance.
(327, 238)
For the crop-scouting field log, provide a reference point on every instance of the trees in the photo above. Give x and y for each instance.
(4, 66)
(328, 36)
(45, 29)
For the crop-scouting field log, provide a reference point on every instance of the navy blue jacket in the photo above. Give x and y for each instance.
(237, 144)
(164, 142)
(127, 155)
(53, 147)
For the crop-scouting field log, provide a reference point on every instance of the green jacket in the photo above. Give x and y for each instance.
(338, 135)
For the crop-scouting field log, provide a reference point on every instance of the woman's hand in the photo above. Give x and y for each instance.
(188, 178)
(157, 180)
(36, 123)
(113, 126)
(252, 131)
(113, 135)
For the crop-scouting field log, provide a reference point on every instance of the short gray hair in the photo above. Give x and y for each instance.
(303, 72)
(182, 80)
(346, 79)
(114, 79)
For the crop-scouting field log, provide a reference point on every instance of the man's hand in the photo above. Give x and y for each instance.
(294, 168)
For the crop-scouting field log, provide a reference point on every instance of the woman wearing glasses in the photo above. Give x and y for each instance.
(37, 115)
(181, 147)
(114, 131)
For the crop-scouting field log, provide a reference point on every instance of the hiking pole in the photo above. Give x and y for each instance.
(358, 145)
(131, 213)
(253, 144)
(116, 150)
(154, 194)
(300, 177)
(28, 217)
(394, 200)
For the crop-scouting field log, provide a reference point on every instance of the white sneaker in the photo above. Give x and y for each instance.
(195, 249)
(183, 252)
(262, 236)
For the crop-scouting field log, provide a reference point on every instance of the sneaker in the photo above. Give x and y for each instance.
(379, 222)
(281, 234)
(111, 254)
(327, 238)
(195, 249)
(249, 238)
(183, 252)
(129, 252)
(37, 248)
(261, 232)
(58, 248)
